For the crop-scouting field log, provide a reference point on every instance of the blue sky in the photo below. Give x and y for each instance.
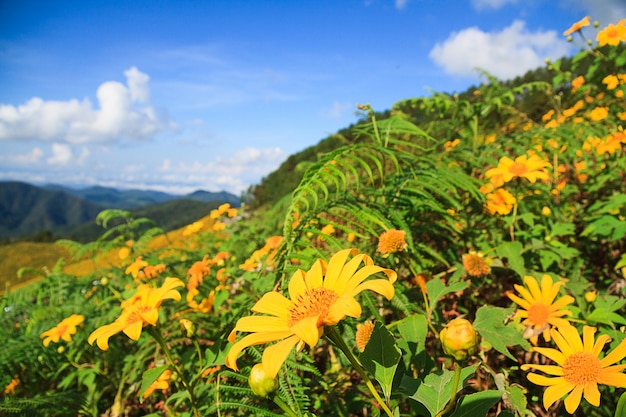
(184, 95)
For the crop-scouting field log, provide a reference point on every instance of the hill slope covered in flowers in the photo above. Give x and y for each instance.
(469, 263)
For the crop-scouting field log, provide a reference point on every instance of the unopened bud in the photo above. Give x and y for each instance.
(546, 211)
(260, 383)
(61, 349)
(590, 296)
(458, 339)
(104, 281)
(188, 327)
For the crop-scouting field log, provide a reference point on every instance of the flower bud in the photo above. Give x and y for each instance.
(104, 281)
(188, 327)
(546, 211)
(61, 349)
(458, 339)
(260, 383)
(590, 296)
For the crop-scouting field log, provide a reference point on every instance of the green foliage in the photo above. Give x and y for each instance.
(430, 176)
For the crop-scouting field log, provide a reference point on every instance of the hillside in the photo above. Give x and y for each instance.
(34, 213)
(26, 209)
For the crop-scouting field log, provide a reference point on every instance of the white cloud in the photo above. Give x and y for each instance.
(505, 54)
(29, 158)
(61, 154)
(124, 113)
(491, 4)
(401, 4)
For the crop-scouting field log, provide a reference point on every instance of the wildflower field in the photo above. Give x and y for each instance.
(465, 256)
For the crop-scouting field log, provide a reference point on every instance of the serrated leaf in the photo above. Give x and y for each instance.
(516, 397)
(512, 251)
(477, 404)
(381, 357)
(149, 377)
(490, 325)
(436, 389)
(600, 315)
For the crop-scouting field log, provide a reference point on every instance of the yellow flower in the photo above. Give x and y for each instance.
(475, 264)
(577, 26)
(540, 310)
(162, 383)
(532, 168)
(219, 226)
(329, 229)
(500, 201)
(577, 83)
(611, 82)
(612, 35)
(197, 272)
(321, 297)
(193, 228)
(458, 339)
(392, 241)
(578, 369)
(134, 268)
(599, 113)
(64, 330)
(140, 310)
(10, 388)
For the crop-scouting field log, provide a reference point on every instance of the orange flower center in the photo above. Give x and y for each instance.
(538, 313)
(581, 368)
(61, 330)
(315, 302)
(475, 265)
(136, 314)
(518, 168)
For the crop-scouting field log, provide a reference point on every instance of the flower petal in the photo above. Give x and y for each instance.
(602, 340)
(588, 338)
(592, 394)
(381, 286)
(543, 380)
(314, 276)
(616, 355)
(297, 285)
(273, 303)
(522, 303)
(342, 307)
(555, 392)
(550, 353)
(307, 330)
(533, 287)
(335, 266)
(615, 379)
(549, 369)
(261, 324)
(573, 399)
(275, 355)
(133, 330)
(251, 340)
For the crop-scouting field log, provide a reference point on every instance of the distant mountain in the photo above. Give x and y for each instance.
(127, 199)
(56, 211)
(26, 209)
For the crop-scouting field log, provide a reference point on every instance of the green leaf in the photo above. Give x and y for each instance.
(381, 357)
(490, 325)
(477, 404)
(149, 377)
(413, 330)
(516, 397)
(512, 251)
(437, 289)
(436, 390)
(620, 410)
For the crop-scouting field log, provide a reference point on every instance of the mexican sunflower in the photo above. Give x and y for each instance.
(140, 310)
(578, 369)
(540, 310)
(64, 330)
(576, 27)
(323, 296)
(532, 168)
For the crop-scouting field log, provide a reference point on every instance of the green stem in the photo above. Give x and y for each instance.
(455, 387)
(284, 406)
(154, 332)
(336, 338)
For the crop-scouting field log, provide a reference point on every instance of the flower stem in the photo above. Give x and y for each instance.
(284, 406)
(154, 332)
(336, 338)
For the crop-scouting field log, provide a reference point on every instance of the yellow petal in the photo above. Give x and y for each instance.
(571, 335)
(561, 342)
(562, 302)
(275, 355)
(533, 287)
(351, 267)
(47, 341)
(616, 355)
(615, 378)
(588, 338)
(556, 392)
(522, 303)
(573, 399)
(381, 286)
(273, 303)
(350, 286)
(602, 340)
(335, 266)
(525, 294)
(342, 307)
(251, 340)
(543, 380)
(549, 369)
(547, 288)
(297, 285)
(314, 276)
(592, 394)
(261, 324)
(133, 330)
(307, 330)
(553, 354)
